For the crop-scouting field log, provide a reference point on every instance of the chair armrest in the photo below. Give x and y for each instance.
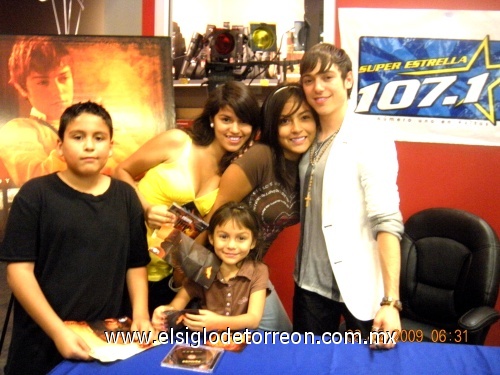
(478, 318)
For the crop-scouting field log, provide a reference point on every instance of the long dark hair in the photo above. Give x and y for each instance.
(271, 114)
(241, 100)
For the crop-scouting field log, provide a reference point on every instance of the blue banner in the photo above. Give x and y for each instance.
(422, 78)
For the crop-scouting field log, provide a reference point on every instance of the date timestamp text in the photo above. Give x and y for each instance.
(458, 336)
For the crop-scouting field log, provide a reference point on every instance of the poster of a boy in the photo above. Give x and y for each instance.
(75, 244)
(41, 71)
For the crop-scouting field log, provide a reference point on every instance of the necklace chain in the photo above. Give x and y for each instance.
(314, 156)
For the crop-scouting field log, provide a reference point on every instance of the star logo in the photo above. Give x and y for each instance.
(482, 86)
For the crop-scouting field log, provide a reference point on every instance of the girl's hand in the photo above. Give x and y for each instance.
(158, 215)
(72, 346)
(159, 318)
(205, 319)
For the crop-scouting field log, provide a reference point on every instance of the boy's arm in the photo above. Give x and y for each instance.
(212, 321)
(137, 284)
(22, 281)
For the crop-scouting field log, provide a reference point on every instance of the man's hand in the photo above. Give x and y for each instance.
(387, 321)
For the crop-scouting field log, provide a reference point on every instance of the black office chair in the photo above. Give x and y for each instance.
(450, 268)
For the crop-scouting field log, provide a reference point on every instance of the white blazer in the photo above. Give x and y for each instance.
(359, 182)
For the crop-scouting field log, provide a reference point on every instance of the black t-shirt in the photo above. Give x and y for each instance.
(82, 246)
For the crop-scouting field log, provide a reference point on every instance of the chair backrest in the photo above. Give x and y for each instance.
(450, 264)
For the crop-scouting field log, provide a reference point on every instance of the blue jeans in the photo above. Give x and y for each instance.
(275, 317)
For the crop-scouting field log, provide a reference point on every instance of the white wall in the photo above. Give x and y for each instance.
(329, 20)
(122, 17)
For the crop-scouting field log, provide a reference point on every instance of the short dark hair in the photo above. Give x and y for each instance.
(37, 53)
(326, 55)
(242, 214)
(77, 109)
(271, 115)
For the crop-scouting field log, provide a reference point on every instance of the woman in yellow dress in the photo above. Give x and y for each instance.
(185, 167)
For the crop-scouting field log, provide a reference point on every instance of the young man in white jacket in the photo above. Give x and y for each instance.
(348, 261)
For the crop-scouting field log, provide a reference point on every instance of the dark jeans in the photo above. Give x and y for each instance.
(159, 293)
(317, 314)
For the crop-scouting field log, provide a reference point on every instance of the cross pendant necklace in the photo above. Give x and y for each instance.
(314, 156)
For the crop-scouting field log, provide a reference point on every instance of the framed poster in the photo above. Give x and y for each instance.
(41, 75)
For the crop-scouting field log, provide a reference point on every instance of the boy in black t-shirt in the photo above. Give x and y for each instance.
(74, 241)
